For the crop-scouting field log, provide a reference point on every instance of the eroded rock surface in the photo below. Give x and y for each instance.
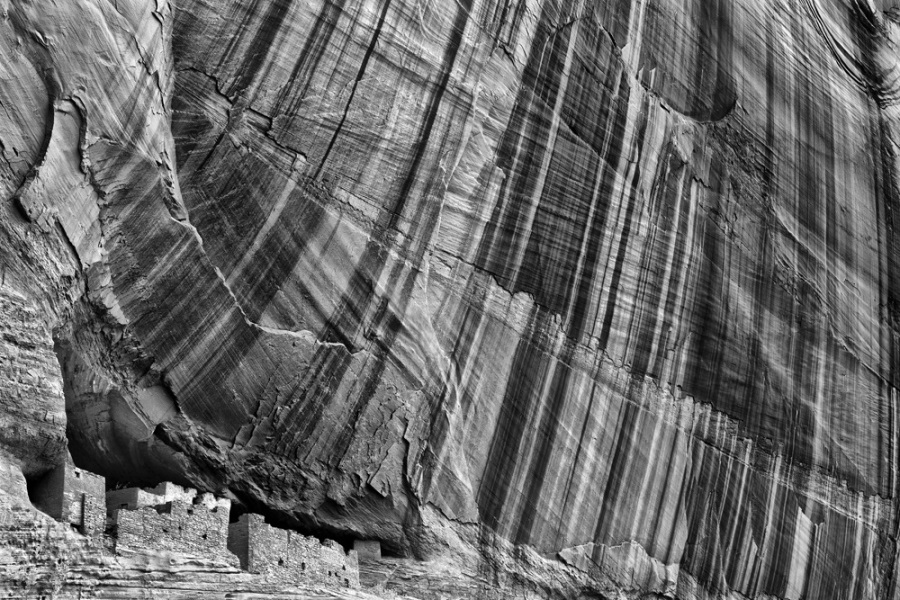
(592, 296)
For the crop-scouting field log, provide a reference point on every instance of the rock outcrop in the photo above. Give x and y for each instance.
(578, 297)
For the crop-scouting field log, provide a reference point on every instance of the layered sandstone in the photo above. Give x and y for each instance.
(572, 296)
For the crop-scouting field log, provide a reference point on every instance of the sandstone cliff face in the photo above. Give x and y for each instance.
(614, 284)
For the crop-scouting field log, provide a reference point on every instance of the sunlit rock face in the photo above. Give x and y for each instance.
(616, 282)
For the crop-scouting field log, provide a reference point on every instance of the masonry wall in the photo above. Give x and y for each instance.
(72, 495)
(171, 519)
(289, 558)
(134, 498)
(84, 503)
(190, 528)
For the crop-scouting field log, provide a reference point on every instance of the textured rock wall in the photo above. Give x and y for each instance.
(33, 421)
(289, 558)
(74, 496)
(41, 558)
(192, 529)
(614, 281)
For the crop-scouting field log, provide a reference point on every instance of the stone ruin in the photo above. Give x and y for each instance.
(169, 518)
(283, 556)
(72, 495)
(134, 498)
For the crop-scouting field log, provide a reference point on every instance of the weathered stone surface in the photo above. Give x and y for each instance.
(597, 296)
(286, 557)
(41, 558)
(180, 554)
(74, 496)
(189, 528)
(33, 419)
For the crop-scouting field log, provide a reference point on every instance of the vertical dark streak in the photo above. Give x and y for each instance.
(359, 75)
(449, 59)
(546, 434)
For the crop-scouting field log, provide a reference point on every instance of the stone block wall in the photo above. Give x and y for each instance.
(199, 528)
(93, 515)
(72, 495)
(169, 518)
(134, 498)
(289, 558)
(335, 565)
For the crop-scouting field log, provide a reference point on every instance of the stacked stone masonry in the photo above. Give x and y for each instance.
(72, 495)
(199, 527)
(134, 498)
(286, 557)
(169, 518)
